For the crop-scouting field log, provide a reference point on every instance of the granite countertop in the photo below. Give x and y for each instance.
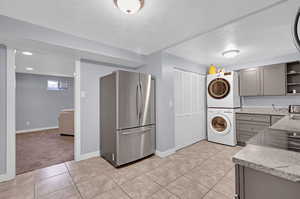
(289, 123)
(271, 152)
(263, 111)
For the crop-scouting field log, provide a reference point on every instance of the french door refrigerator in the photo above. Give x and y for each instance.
(127, 115)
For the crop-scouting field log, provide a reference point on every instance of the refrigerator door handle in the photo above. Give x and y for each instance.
(142, 103)
(144, 130)
(137, 102)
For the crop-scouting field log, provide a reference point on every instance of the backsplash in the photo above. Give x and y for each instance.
(267, 101)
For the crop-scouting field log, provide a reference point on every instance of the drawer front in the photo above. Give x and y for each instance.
(252, 117)
(134, 144)
(244, 136)
(254, 127)
(275, 119)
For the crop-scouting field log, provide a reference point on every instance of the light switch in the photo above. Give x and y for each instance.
(83, 94)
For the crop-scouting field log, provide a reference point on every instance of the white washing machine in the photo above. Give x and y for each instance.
(223, 90)
(221, 126)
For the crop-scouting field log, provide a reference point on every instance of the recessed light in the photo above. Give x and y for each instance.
(29, 68)
(231, 53)
(129, 6)
(27, 53)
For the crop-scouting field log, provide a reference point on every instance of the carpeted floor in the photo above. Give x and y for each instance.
(42, 149)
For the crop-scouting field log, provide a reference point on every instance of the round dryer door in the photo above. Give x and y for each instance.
(219, 88)
(220, 124)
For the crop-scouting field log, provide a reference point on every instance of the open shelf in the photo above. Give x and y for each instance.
(293, 84)
(295, 73)
(293, 79)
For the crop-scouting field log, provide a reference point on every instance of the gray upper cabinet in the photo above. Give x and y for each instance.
(274, 80)
(267, 80)
(250, 82)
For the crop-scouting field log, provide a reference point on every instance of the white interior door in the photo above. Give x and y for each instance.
(190, 112)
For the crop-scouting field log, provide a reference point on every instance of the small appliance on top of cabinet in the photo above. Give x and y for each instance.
(223, 90)
(127, 115)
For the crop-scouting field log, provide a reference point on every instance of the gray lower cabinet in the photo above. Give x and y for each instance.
(253, 184)
(250, 82)
(274, 80)
(248, 125)
(275, 118)
(263, 81)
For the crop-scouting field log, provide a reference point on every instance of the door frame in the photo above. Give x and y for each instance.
(11, 115)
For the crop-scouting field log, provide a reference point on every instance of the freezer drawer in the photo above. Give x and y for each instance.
(134, 144)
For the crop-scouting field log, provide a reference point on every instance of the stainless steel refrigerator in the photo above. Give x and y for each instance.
(127, 115)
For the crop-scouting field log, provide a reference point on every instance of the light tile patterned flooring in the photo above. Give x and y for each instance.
(203, 170)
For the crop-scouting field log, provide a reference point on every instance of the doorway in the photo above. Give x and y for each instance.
(44, 110)
(190, 112)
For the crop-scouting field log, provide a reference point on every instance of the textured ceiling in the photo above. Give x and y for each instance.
(160, 23)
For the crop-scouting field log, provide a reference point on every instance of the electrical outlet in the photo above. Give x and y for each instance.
(27, 123)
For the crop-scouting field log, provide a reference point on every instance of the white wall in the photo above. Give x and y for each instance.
(162, 67)
(90, 74)
(267, 101)
(3, 132)
(90, 111)
(37, 105)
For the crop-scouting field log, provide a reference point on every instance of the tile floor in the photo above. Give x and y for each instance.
(203, 170)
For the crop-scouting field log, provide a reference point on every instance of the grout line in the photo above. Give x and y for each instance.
(74, 184)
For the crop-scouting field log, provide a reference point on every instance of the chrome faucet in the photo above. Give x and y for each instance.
(273, 107)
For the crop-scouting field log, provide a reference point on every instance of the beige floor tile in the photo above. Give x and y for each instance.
(206, 176)
(141, 187)
(186, 188)
(96, 162)
(226, 187)
(66, 193)
(165, 174)
(150, 163)
(18, 192)
(124, 174)
(215, 195)
(95, 186)
(163, 194)
(20, 180)
(51, 171)
(116, 193)
(53, 184)
(81, 175)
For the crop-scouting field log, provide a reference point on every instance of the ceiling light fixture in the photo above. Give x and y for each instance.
(29, 68)
(231, 53)
(27, 53)
(129, 6)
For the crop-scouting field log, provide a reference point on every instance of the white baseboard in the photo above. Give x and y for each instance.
(5, 177)
(164, 154)
(190, 143)
(89, 155)
(37, 129)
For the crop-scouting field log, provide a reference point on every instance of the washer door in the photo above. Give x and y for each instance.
(220, 124)
(219, 88)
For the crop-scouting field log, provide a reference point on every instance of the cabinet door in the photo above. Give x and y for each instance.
(250, 82)
(274, 80)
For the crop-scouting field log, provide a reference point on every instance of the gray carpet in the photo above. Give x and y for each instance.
(42, 149)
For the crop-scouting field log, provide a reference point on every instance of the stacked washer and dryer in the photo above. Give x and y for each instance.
(222, 101)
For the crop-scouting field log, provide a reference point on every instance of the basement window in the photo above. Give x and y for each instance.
(53, 85)
(56, 85)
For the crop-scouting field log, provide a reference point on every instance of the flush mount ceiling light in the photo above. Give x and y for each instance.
(231, 53)
(27, 53)
(129, 6)
(29, 68)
